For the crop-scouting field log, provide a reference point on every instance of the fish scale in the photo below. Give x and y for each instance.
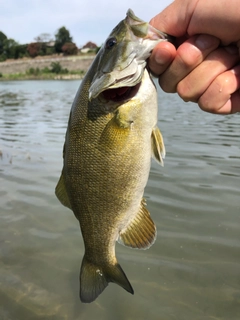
(107, 154)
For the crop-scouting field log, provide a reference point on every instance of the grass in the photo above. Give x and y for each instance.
(55, 72)
(42, 76)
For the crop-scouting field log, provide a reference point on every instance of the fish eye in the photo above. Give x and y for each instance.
(110, 43)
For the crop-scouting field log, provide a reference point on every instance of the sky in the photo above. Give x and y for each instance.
(86, 20)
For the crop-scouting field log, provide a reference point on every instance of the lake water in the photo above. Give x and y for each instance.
(193, 269)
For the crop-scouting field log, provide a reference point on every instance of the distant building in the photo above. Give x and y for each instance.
(89, 46)
(50, 43)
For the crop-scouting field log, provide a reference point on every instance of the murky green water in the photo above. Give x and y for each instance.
(193, 269)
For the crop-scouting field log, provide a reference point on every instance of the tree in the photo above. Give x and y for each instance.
(21, 51)
(57, 68)
(43, 37)
(69, 48)
(34, 49)
(2, 38)
(9, 48)
(61, 37)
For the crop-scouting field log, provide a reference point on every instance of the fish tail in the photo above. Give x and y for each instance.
(94, 279)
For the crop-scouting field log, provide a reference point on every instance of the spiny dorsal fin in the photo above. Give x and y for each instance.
(141, 232)
(61, 193)
(158, 148)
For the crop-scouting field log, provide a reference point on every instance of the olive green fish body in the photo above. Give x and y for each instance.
(107, 155)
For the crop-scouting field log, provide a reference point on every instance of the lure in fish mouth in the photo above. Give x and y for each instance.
(123, 59)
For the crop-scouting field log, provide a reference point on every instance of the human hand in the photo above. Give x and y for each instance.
(200, 69)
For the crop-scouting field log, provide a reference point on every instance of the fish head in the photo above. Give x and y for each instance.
(122, 58)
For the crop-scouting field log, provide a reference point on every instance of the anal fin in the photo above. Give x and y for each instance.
(158, 148)
(141, 231)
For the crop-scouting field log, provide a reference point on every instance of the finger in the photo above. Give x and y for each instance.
(222, 22)
(189, 55)
(222, 96)
(235, 103)
(197, 81)
(175, 24)
(161, 57)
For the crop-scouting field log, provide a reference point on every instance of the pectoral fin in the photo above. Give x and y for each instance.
(114, 135)
(158, 148)
(141, 232)
(61, 193)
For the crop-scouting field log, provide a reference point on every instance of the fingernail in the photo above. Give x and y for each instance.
(159, 59)
(162, 56)
(204, 41)
(236, 70)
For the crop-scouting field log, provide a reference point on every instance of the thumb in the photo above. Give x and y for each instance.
(175, 18)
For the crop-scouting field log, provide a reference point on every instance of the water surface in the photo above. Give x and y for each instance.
(193, 269)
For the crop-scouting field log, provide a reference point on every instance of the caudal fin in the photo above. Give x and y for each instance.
(94, 279)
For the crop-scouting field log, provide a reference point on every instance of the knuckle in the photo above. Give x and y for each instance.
(186, 92)
(189, 56)
(208, 105)
(183, 91)
(168, 87)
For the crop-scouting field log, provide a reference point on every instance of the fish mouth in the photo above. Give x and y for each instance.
(120, 94)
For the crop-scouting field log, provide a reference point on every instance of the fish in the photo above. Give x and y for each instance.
(112, 135)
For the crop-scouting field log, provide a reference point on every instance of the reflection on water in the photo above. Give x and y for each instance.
(193, 269)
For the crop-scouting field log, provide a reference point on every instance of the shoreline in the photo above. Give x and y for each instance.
(18, 69)
(52, 76)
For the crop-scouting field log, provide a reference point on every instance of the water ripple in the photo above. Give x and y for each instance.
(192, 270)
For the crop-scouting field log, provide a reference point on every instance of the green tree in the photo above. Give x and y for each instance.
(62, 37)
(57, 68)
(2, 38)
(9, 48)
(21, 51)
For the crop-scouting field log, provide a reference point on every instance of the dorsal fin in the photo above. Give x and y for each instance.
(141, 231)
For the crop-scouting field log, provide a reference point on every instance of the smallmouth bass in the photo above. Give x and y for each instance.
(110, 139)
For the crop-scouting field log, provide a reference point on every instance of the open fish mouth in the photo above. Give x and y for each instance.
(121, 61)
(121, 94)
